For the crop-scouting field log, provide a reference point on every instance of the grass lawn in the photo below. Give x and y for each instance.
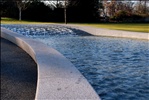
(137, 27)
(5, 20)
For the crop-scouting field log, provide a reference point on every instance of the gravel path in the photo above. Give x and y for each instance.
(18, 73)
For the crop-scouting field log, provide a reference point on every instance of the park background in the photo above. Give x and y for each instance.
(77, 11)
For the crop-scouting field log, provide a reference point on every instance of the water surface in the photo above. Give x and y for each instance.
(117, 68)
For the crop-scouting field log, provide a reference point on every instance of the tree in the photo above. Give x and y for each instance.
(65, 4)
(38, 11)
(77, 10)
(68, 3)
(59, 4)
(65, 11)
(22, 5)
(110, 8)
(142, 7)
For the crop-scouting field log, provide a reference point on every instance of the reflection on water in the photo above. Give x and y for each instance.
(117, 68)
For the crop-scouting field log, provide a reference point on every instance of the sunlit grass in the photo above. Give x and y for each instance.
(137, 27)
(5, 20)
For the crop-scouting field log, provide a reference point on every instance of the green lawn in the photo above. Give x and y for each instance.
(137, 27)
(5, 20)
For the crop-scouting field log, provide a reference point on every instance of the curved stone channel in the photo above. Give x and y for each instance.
(115, 67)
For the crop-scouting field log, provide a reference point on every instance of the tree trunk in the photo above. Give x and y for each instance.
(65, 13)
(145, 7)
(20, 13)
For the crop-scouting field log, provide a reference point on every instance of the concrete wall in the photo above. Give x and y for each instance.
(58, 78)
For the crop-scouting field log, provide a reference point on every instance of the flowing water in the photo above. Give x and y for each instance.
(117, 68)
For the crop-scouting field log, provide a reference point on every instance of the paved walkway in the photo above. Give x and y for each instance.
(18, 73)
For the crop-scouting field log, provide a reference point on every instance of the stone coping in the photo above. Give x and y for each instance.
(58, 78)
(108, 32)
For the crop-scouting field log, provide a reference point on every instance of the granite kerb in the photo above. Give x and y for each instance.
(58, 78)
(108, 32)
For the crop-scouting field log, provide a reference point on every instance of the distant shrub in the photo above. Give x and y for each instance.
(124, 16)
(121, 16)
(136, 17)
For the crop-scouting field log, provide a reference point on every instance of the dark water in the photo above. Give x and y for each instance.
(117, 68)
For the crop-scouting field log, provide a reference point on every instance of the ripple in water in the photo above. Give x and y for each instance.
(117, 68)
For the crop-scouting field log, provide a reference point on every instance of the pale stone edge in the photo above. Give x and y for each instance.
(50, 75)
(108, 32)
